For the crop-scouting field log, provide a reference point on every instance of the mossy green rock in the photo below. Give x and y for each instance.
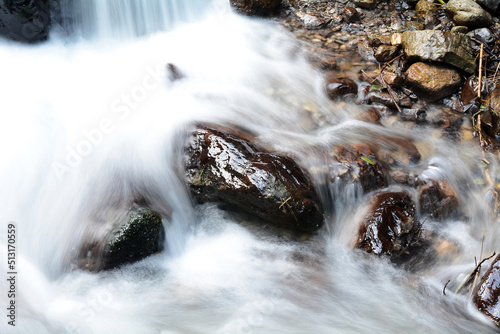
(138, 235)
(441, 46)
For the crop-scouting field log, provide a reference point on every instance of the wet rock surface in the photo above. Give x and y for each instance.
(339, 87)
(390, 225)
(432, 82)
(438, 200)
(468, 13)
(255, 7)
(26, 21)
(440, 46)
(486, 295)
(137, 235)
(223, 166)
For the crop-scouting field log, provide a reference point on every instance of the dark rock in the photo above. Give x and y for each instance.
(173, 72)
(490, 118)
(377, 40)
(459, 30)
(483, 34)
(255, 7)
(224, 166)
(383, 98)
(390, 224)
(403, 176)
(339, 87)
(26, 21)
(393, 79)
(432, 82)
(491, 5)
(413, 115)
(468, 13)
(438, 200)
(441, 46)
(449, 122)
(486, 295)
(469, 98)
(358, 163)
(135, 237)
(351, 14)
(385, 53)
(366, 51)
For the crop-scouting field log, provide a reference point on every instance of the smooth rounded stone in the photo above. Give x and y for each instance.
(222, 165)
(358, 163)
(366, 4)
(339, 87)
(383, 98)
(438, 200)
(426, 8)
(389, 226)
(459, 30)
(377, 40)
(25, 21)
(486, 295)
(468, 13)
(385, 53)
(350, 14)
(482, 34)
(440, 46)
(255, 7)
(432, 82)
(137, 235)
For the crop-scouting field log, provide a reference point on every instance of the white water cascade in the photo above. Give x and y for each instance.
(89, 119)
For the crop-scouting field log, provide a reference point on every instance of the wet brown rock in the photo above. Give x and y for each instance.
(389, 226)
(425, 9)
(486, 295)
(438, 200)
(450, 122)
(366, 4)
(459, 30)
(468, 13)
(365, 50)
(358, 163)
(338, 87)
(385, 53)
(490, 116)
(377, 40)
(371, 115)
(350, 14)
(432, 82)
(440, 46)
(393, 79)
(255, 7)
(224, 166)
(383, 98)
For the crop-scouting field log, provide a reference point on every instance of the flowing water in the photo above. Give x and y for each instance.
(90, 119)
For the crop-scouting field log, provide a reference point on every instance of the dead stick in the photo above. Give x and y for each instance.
(444, 289)
(480, 69)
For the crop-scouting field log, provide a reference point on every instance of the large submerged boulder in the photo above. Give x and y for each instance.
(137, 235)
(25, 20)
(224, 166)
(390, 224)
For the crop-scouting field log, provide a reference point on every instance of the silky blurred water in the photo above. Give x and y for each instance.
(90, 119)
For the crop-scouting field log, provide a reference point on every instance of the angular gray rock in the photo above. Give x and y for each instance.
(446, 47)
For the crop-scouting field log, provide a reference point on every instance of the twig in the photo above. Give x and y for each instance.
(444, 289)
(474, 272)
(480, 70)
(390, 91)
(479, 268)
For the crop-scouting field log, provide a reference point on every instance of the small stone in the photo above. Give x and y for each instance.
(432, 82)
(366, 4)
(386, 53)
(483, 35)
(382, 98)
(438, 200)
(351, 14)
(397, 39)
(425, 9)
(338, 87)
(366, 51)
(446, 47)
(413, 25)
(310, 21)
(459, 30)
(370, 115)
(468, 13)
(377, 40)
(173, 73)
(393, 79)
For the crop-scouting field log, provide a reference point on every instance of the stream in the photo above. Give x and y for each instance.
(90, 118)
